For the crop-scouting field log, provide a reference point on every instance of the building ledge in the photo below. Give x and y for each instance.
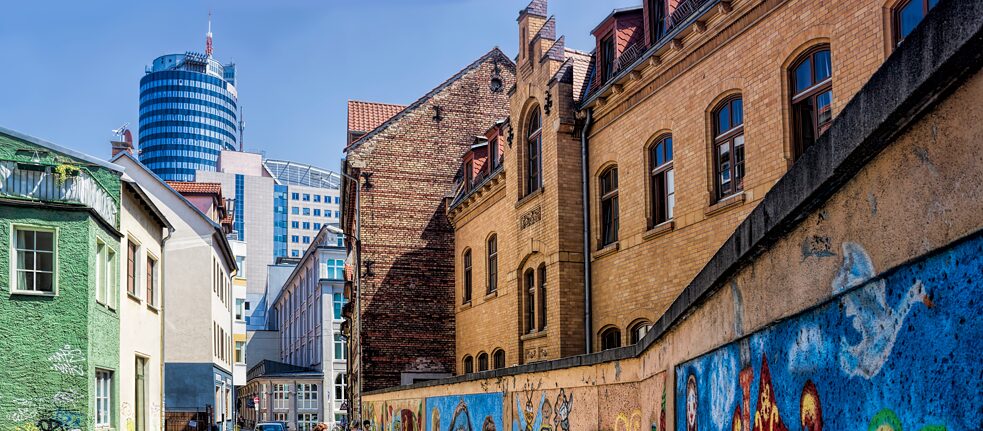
(725, 204)
(659, 230)
(608, 249)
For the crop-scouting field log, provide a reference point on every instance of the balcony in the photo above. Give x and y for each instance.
(41, 183)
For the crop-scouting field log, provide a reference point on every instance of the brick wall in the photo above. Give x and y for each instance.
(407, 301)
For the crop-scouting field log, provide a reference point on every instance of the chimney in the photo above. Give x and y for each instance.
(119, 147)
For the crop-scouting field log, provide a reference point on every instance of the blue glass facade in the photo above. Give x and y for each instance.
(238, 220)
(279, 221)
(188, 114)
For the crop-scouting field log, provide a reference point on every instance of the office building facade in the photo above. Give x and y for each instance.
(307, 198)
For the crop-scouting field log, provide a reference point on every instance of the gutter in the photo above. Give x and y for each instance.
(585, 187)
(163, 316)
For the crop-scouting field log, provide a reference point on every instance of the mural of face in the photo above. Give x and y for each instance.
(810, 411)
(691, 402)
(564, 405)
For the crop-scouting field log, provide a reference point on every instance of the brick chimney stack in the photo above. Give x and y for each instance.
(119, 147)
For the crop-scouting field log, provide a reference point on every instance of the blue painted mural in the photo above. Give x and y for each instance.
(474, 412)
(899, 352)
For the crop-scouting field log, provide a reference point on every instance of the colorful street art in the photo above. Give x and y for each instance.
(395, 415)
(899, 352)
(473, 412)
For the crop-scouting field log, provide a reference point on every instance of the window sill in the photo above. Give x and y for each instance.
(491, 295)
(725, 204)
(33, 293)
(608, 249)
(153, 308)
(659, 229)
(134, 297)
(533, 335)
(523, 200)
(465, 306)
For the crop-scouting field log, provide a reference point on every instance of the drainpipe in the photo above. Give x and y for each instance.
(585, 186)
(163, 319)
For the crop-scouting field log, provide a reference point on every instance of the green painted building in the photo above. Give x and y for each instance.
(59, 295)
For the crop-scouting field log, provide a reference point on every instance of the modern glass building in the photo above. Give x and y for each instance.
(311, 196)
(188, 114)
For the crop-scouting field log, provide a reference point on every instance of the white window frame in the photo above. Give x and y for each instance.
(306, 421)
(307, 398)
(240, 351)
(107, 291)
(13, 259)
(103, 409)
(281, 400)
(240, 311)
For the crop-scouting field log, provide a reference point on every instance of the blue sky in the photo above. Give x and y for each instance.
(72, 68)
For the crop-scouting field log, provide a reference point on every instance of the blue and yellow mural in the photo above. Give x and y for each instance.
(895, 352)
(473, 412)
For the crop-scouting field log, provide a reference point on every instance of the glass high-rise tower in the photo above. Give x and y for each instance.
(188, 114)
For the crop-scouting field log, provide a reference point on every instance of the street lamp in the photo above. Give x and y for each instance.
(358, 276)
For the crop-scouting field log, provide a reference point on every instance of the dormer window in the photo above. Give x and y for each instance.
(607, 57)
(657, 19)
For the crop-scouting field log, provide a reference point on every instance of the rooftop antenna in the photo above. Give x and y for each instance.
(123, 132)
(208, 36)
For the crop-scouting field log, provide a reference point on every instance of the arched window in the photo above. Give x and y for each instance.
(530, 286)
(542, 296)
(492, 263)
(467, 277)
(340, 381)
(468, 364)
(663, 180)
(609, 206)
(534, 149)
(610, 338)
(498, 359)
(728, 147)
(638, 331)
(482, 361)
(812, 97)
(907, 15)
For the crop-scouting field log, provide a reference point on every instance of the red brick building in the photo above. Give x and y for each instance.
(400, 325)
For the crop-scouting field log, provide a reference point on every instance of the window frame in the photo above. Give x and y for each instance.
(14, 227)
(467, 287)
(609, 206)
(534, 152)
(132, 267)
(492, 263)
(608, 56)
(729, 138)
(896, 37)
(661, 210)
(529, 279)
(498, 359)
(153, 279)
(340, 381)
(103, 408)
(482, 360)
(541, 296)
(468, 364)
(633, 330)
(809, 95)
(604, 335)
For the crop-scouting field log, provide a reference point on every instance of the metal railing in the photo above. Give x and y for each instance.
(684, 10)
(44, 185)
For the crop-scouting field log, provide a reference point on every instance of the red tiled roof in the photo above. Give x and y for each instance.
(196, 188)
(366, 116)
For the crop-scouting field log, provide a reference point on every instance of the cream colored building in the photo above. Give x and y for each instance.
(144, 229)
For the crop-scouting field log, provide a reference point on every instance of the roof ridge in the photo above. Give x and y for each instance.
(433, 92)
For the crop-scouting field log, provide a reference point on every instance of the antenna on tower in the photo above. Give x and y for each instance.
(208, 36)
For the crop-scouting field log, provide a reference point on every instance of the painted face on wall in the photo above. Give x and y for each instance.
(691, 403)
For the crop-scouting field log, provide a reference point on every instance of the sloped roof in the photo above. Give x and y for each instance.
(366, 116)
(60, 149)
(495, 52)
(196, 188)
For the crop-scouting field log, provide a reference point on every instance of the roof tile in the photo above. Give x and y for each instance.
(366, 116)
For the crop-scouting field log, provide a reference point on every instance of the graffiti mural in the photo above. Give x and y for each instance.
(893, 352)
(68, 360)
(473, 412)
(395, 415)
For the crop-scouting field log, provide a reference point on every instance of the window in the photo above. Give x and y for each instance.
(307, 197)
(337, 200)
(239, 308)
(609, 206)
(663, 180)
(339, 303)
(307, 240)
(294, 210)
(131, 268)
(34, 251)
(542, 297)
(468, 364)
(340, 381)
(482, 361)
(307, 211)
(295, 224)
(530, 280)
(610, 338)
(317, 198)
(907, 15)
(307, 396)
(317, 226)
(307, 225)
(498, 359)
(317, 212)
(104, 402)
(638, 331)
(657, 20)
(334, 269)
(280, 401)
(812, 98)
(467, 277)
(295, 196)
(337, 214)
(241, 265)
(239, 350)
(607, 58)
(306, 421)
(728, 144)
(339, 348)
(492, 263)
(294, 238)
(534, 147)
(106, 274)
(295, 253)
(140, 393)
